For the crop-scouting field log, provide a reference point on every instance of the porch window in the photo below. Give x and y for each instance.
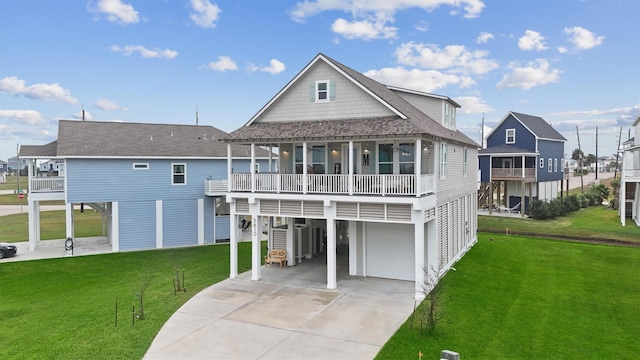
(407, 158)
(298, 159)
(385, 158)
(318, 159)
(464, 162)
(443, 160)
(511, 136)
(550, 165)
(555, 165)
(178, 174)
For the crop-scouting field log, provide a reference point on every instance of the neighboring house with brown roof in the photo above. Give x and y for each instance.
(630, 178)
(523, 161)
(146, 179)
(379, 172)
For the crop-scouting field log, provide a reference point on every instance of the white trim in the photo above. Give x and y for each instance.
(115, 227)
(159, 224)
(201, 220)
(316, 91)
(506, 138)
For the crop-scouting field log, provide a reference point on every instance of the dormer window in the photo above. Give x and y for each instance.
(511, 136)
(322, 91)
(449, 115)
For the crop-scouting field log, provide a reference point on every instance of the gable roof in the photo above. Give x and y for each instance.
(118, 139)
(538, 126)
(408, 121)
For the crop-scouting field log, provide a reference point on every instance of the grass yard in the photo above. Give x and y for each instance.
(15, 228)
(523, 298)
(593, 223)
(65, 308)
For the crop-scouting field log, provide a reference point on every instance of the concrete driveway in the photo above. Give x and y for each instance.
(289, 314)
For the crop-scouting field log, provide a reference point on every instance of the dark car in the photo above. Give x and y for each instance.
(7, 250)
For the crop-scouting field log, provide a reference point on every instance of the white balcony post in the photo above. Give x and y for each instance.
(256, 256)
(419, 247)
(523, 174)
(350, 167)
(331, 253)
(233, 243)
(229, 166)
(270, 158)
(417, 167)
(69, 220)
(253, 167)
(304, 167)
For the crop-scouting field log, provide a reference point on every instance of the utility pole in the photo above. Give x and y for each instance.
(615, 172)
(580, 162)
(596, 154)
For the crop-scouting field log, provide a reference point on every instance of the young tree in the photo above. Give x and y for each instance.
(145, 282)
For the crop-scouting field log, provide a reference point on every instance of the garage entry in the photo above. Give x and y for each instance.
(389, 251)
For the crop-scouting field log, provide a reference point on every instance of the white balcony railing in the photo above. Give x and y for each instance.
(381, 185)
(46, 184)
(212, 187)
(513, 173)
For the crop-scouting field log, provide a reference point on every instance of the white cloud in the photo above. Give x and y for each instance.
(308, 8)
(116, 11)
(144, 52)
(422, 80)
(275, 67)
(205, 13)
(535, 73)
(473, 105)
(484, 37)
(455, 58)
(582, 38)
(562, 49)
(364, 29)
(532, 40)
(422, 26)
(108, 105)
(628, 110)
(223, 64)
(26, 117)
(14, 86)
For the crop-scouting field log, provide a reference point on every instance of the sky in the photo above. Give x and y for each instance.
(575, 63)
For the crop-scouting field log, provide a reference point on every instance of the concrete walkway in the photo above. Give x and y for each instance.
(289, 314)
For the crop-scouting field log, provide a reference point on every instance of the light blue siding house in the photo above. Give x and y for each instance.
(523, 161)
(146, 179)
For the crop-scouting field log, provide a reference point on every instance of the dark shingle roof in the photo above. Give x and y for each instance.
(538, 126)
(416, 122)
(118, 139)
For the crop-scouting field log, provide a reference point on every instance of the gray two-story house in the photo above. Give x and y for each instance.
(373, 176)
(523, 161)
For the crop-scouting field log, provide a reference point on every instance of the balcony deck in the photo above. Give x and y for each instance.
(376, 185)
(46, 184)
(513, 174)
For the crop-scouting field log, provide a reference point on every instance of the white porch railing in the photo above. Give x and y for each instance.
(631, 174)
(394, 185)
(46, 184)
(513, 173)
(214, 187)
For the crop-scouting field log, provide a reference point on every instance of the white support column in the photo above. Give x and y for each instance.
(69, 220)
(229, 166)
(201, 221)
(353, 248)
(331, 253)
(351, 164)
(270, 158)
(37, 222)
(420, 265)
(291, 258)
(622, 196)
(256, 255)
(33, 224)
(433, 265)
(159, 225)
(233, 243)
(115, 227)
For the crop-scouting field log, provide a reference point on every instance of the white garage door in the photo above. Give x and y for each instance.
(390, 250)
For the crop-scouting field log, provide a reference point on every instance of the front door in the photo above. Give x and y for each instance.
(357, 150)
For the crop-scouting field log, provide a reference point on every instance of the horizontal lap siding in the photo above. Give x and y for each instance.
(223, 227)
(137, 224)
(209, 203)
(180, 223)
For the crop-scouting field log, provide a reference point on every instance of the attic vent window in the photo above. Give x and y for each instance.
(511, 136)
(140, 166)
(322, 91)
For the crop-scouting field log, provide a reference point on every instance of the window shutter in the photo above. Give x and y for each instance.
(332, 90)
(312, 91)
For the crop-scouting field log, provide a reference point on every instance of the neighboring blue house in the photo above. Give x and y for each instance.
(146, 179)
(3, 171)
(525, 155)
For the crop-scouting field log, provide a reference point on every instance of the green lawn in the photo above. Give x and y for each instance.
(593, 223)
(524, 298)
(15, 228)
(65, 308)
